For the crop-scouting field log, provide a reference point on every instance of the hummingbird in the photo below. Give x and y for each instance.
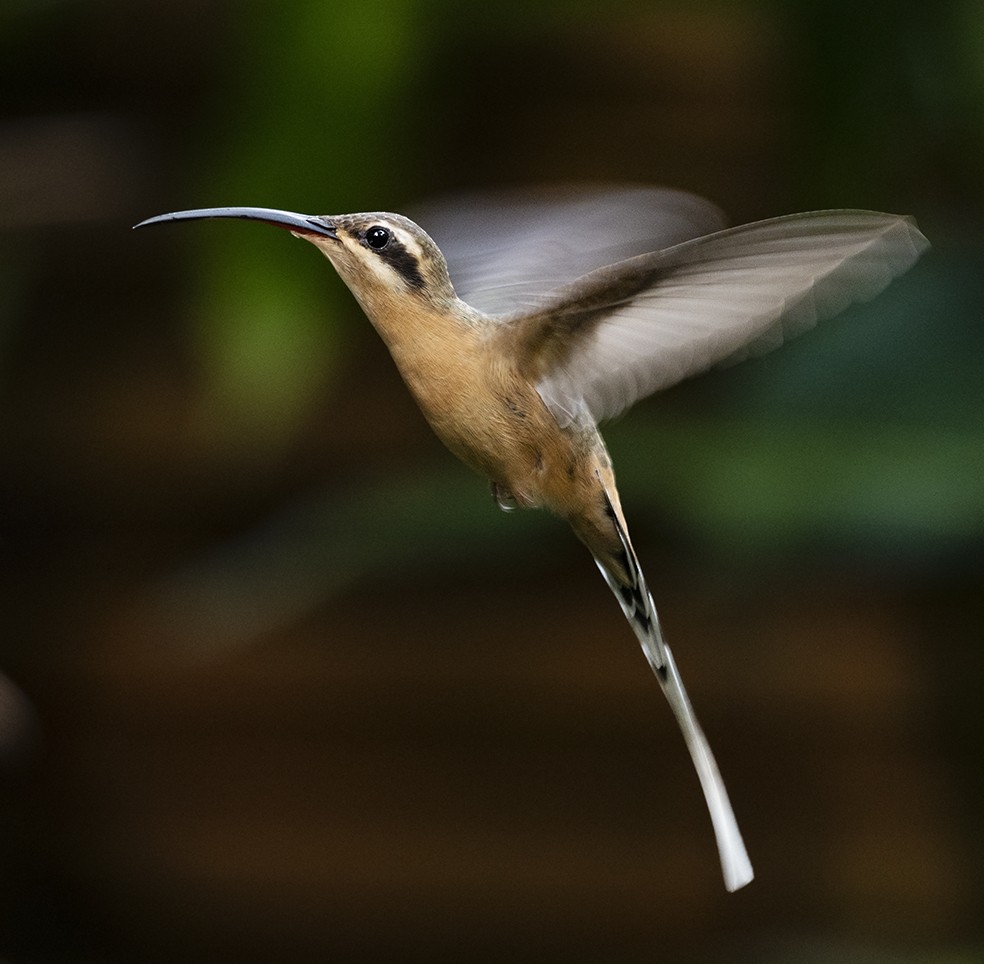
(539, 318)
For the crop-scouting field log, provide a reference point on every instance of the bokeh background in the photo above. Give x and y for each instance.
(280, 683)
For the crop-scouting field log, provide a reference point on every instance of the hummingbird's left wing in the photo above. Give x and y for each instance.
(622, 332)
(505, 251)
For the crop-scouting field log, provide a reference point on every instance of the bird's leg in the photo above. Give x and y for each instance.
(504, 498)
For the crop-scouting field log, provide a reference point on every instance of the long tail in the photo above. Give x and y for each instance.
(637, 604)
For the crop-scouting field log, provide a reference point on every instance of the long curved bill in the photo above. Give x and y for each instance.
(298, 223)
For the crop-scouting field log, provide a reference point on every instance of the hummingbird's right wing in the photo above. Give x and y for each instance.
(505, 251)
(623, 332)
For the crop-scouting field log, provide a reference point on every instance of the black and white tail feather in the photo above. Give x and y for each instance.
(637, 604)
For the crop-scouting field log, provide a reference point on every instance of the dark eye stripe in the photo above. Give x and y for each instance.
(403, 263)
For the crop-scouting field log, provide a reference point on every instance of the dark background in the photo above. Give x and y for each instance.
(282, 684)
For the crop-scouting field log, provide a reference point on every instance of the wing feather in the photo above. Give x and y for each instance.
(633, 328)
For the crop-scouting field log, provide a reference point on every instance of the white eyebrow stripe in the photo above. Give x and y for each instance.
(409, 242)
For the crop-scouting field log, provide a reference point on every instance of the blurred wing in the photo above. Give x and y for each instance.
(505, 251)
(631, 329)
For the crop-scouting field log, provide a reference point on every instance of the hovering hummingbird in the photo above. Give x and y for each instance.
(563, 313)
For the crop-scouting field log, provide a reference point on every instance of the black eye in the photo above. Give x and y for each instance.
(377, 237)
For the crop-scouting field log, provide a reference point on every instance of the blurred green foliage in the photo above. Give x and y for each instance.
(305, 129)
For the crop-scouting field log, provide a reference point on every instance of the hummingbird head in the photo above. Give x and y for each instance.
(381, 257)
